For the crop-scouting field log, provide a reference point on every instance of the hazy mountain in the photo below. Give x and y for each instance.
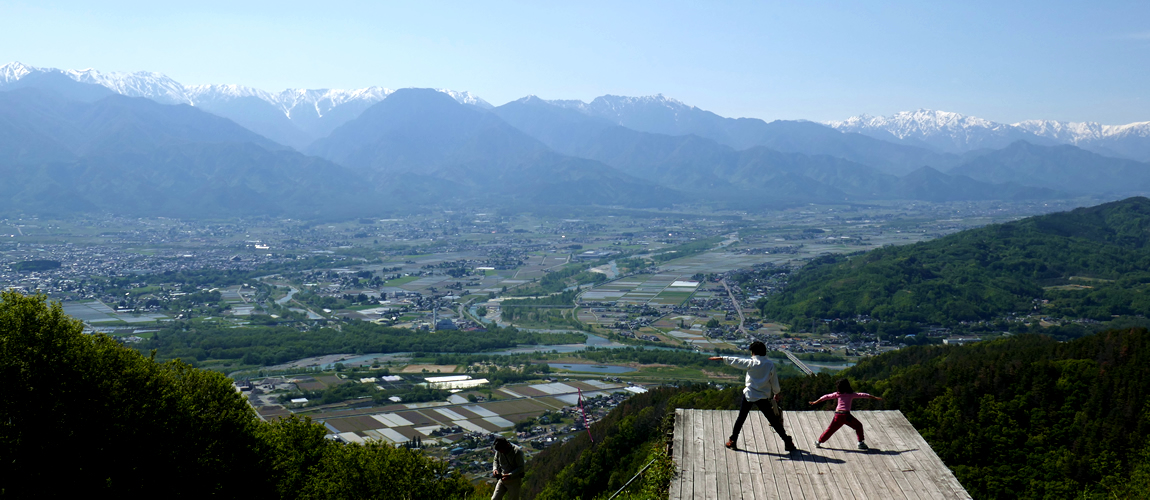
(929, 184)
(61, 84)
(295, 117)
(189, 180)
(701, 165)
(423, 131)
(114, 124)
(941, 130)
(1063, 168)
(957, 133)
(1124, 141)
(136, 156)
(662, 115)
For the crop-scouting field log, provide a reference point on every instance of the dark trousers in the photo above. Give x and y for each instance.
(764, 406)
(840, 420)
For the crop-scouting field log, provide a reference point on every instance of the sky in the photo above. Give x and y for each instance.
(814, 60)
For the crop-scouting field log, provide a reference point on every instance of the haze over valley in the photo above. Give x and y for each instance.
(122, 138)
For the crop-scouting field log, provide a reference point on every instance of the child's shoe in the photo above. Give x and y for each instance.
(863, 446)
(818, 444)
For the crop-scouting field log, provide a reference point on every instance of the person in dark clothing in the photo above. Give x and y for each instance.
(508, 469)
(761, 391)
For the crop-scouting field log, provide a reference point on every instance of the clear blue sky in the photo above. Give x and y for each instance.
(818, 60)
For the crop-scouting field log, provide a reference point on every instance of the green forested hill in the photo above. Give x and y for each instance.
(1087, 263)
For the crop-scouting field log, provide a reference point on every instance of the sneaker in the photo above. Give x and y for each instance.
(731, 444)
(863, 446)
(818, 444)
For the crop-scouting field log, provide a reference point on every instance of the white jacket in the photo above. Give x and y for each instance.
(762, 381)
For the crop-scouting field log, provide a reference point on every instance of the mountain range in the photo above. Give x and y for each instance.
(114, 135)
(294, 117)
(956, 133)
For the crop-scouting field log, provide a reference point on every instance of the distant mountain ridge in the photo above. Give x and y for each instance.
(703, 165)
(424, 133)
(1060, 167)
(662, 115)
(315, 112)
(131, 155)
(958, 133)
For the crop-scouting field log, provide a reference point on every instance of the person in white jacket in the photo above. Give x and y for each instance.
(762, 391)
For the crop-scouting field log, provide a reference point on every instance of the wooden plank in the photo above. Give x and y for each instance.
(935, 473)
(676, 490)
(905, 460)
(796, 462)
(710, 448)
(712, 488)
(857, 486)
(904, 438)
(699, 486)
(736, 490)
(893, 485)
(698, 461)
(744, 463)
(762, 469)
(785, 480)
(808, 463)
(866, 464)
(899, 428)
(835, 458)
(775, 485)
(718, 465)
(884, 442)
(758, 488)
(817, 461)
(687, 490)
(928, 490)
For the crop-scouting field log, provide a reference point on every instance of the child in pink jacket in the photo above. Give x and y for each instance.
(845, 395)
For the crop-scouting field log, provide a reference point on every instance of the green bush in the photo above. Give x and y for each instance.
(82, 415)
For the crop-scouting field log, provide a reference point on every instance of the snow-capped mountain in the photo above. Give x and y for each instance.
(1125, 141)
(1082, 132)
(302, 115)
(941, 130)
(957, 133)
(656, 113)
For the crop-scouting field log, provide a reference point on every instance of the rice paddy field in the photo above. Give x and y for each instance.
(511, 404)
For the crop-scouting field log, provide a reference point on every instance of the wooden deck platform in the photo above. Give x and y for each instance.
(899, 465)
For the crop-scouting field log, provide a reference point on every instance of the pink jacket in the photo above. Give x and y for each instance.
(844, 399)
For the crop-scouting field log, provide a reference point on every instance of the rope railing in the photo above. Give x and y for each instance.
(641, 471)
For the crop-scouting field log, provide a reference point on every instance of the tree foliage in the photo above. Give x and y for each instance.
(260, 345)
(82, 415)
(1087, 263)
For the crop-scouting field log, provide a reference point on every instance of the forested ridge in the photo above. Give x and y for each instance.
(1021, 417)
(266, 345)
(1089, 263)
